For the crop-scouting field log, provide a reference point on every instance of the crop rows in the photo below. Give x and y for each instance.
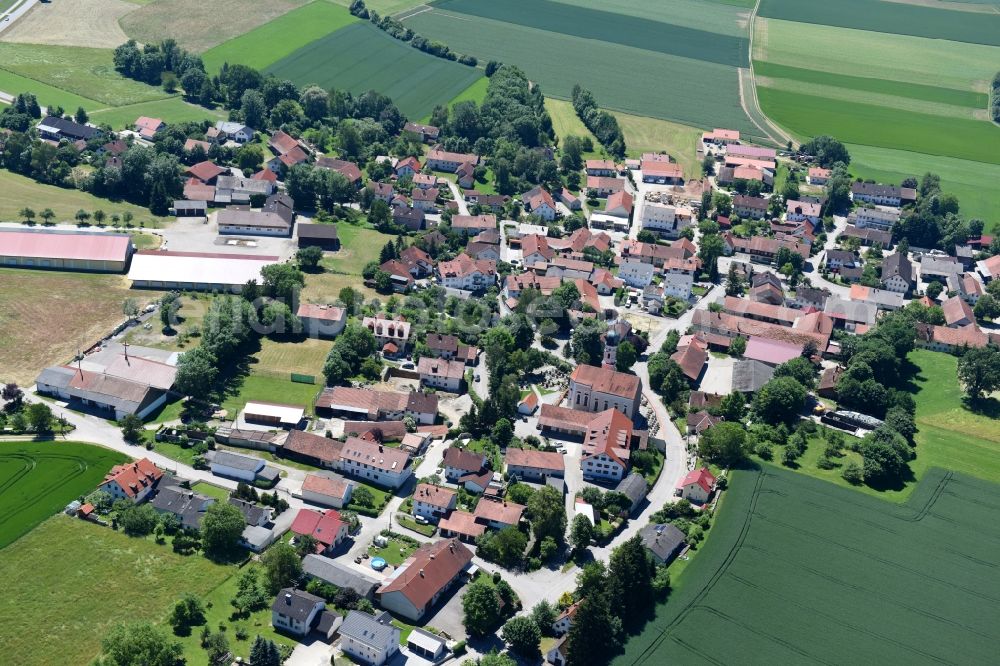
(801, 570)
(361, 57)
(891, 17)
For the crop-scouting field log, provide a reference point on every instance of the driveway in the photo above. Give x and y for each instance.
(315, 653)
(196, 234)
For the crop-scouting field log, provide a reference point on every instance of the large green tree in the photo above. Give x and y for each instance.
(548, 514)
(221, 529)
(723, 444)
(139, 644)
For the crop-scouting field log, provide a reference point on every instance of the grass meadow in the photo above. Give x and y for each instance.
(360, 57)
(171, 110)
(82, 71)
(77, 310)
(968, 180)
(73, 580)
(269, 43)
(358, 246)
(270, 388)
(695, 47)
(47, 95)
(795, 570)
(19, 191)
(304, 357)
(38, 479)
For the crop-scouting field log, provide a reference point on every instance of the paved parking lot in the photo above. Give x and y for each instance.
(196, 234)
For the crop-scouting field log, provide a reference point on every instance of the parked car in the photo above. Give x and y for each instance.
(420, 520)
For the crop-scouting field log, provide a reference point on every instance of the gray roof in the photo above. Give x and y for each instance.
(750, 375)
(368, 629)
(251, 512)
(186, 504)
(236, 461)
(234, 217)
(337, 574)
(857, 311)
(57, 376)
(935, 266)
(258, 537)
(185, 203)
(897, 264)
(634, 487)
(295, 604)
(230, 127)
(664, 540)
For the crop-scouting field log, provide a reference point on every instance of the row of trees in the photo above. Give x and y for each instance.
(604, 125)
(995, 98)
(404, 34)
(165, 63)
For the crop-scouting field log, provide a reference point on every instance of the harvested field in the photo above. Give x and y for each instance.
(38, 479)
(82, 71)
(890, 17)
(46, 317)
(281, 37)
(798, 570)
(360, 57)
(198, 25)
(558, 50)
(78, 579)
(92, 23)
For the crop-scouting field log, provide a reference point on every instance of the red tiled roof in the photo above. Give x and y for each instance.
(702, 477)
(325, 485)
(606, 380)
(205, 171)
(324, 312)
(323, 527)
(534, 458)
(434, 495)
(428, 571)
(461, 522)
(458, 458)
(508, 513)
(135, 476)
(313, 446)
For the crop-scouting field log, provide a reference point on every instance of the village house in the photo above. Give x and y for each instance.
(799, 211)
(721, 137)
(417, 584)
(321, 321)
(325, 527)
(664, 219)
(697, 486)
(606, 447)
(432, 502)
(448, 347)
(661, 172)
(388, 331)
(473, 225)
(296, 612)
(754, 208)
(134, 481)
(148, 128)
(381, 191)
(818, 176)
(957, 313)
(57, 129)
(596, 389)
(441, 374)
(539, 202)
(498, 514)
(874, 217)
(467, 274)
(409, 217)
(601, 168)
(369, 639)
(375, 463)
(635, 273)
(533, 465)
(897, 274)
(441, 160)
(664, 541)
(882, 195)
(466, 468)
(232, 131)
(348, 170)
(332, 491)
(619, 204)
(427, 133)
(604, 186)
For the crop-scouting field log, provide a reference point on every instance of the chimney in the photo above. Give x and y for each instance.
(421, 573)
(288, 598)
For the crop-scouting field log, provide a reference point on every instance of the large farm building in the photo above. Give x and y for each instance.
(157, 269)
(65, 250)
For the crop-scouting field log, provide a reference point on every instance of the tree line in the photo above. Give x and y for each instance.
(604, 125)
(395, 29)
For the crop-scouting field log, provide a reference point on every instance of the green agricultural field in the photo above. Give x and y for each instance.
(281, 37)
(797, 570)
(171, 110)
(910, 91)
(77, 580)
(904, 18)
(963, 178)
(47, 95)
(360, 57)
(914, 60)
(82, 71)
(806, 116)
(692, 47)
(38, 479)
